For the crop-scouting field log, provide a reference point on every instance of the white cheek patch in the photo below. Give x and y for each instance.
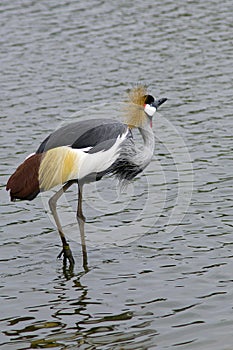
(150, 110)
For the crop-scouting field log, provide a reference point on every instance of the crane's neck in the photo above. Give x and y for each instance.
(144, 157)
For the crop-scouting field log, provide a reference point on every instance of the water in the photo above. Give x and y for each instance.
(171, 286)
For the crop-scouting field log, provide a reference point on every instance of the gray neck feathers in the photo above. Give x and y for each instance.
(143, 157)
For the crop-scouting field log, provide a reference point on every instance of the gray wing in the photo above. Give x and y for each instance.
(95, 133)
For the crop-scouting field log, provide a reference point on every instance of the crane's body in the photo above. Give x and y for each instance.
(83, 152)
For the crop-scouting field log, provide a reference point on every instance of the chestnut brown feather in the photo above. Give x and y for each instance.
(24, 183)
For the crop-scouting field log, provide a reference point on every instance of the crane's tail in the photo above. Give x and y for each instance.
(43, 171)
(24, 183)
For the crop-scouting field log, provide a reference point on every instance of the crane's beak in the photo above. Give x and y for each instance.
(159, 102)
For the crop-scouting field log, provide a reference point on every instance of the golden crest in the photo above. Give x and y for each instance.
(135, 115)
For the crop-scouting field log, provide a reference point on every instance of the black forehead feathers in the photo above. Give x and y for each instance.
(149, 99)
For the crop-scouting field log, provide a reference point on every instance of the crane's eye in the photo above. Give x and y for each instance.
(149, 99)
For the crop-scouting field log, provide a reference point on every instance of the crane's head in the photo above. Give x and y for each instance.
(151, 106)
(141, 106)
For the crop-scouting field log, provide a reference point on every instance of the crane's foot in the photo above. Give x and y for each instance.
(67, 255)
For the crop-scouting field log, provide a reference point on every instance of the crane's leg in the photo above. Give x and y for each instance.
(80, 215)
(81, 221)
(66, 251)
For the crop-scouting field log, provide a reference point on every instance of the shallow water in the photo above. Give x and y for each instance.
(160, 253)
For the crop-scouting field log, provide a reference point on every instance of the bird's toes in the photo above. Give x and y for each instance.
(67, 255)
(60, 255)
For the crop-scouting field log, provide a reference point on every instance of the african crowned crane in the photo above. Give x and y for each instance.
(85, 151)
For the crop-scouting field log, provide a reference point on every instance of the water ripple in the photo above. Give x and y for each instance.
(172, 286)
